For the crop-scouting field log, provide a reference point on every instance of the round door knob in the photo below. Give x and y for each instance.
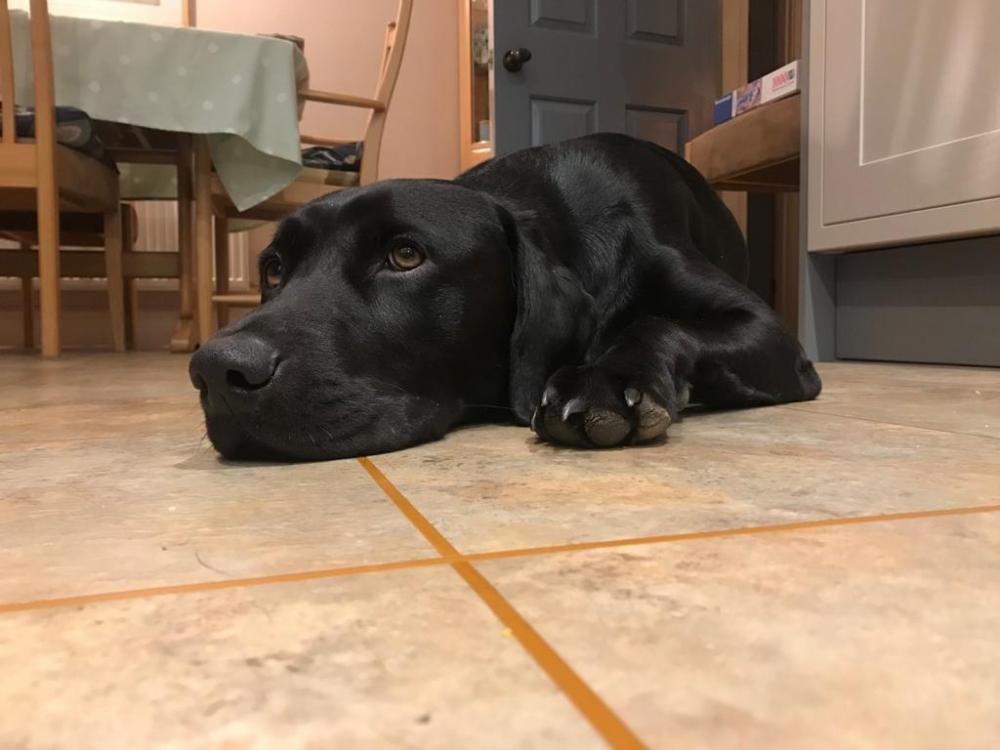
(513, 59)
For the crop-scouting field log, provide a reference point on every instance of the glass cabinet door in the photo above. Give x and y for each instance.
(476, 60)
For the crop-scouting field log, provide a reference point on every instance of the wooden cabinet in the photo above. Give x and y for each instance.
(903, 123)
(475, 65)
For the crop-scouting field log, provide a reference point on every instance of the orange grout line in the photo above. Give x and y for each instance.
(605, 721)
(278, 578)
(414, 516)
(721, 533)
(589, 703)
(232, 583)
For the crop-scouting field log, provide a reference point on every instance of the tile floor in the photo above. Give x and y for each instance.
(806, 576)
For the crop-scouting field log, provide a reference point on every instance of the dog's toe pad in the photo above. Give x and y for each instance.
(653, 420)
(605, 428)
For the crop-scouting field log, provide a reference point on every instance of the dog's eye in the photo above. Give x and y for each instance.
(405, 258)
(270, 272)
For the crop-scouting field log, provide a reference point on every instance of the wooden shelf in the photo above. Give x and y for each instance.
(755, 151)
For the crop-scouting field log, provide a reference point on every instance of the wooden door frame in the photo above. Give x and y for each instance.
(735, 61)
(470, 152)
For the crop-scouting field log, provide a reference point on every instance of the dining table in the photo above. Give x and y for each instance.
(211, 102)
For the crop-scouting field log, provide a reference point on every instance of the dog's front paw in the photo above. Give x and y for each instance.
(590, 407)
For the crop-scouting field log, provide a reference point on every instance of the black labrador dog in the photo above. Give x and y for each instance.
(589, 288)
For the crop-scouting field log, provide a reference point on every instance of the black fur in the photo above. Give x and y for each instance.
(589, 288)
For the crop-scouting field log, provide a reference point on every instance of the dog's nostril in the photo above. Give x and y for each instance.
(237, 380)
(199, 382)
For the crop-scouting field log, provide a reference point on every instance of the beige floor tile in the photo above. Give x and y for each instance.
(401, 659)
(27, 380)
(876, 636)
(110, 514)
(489, 488)
(958, 399)
(110, 484)
(82, 397)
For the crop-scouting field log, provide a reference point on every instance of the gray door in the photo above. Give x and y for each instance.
(649, 68)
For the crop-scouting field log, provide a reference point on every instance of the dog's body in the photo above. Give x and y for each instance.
(589, 287)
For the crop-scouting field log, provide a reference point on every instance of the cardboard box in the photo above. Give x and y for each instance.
(723, 109)
(780, 82)
(774, 85)
(747, 97)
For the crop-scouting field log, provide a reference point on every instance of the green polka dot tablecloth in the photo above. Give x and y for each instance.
(239, 90)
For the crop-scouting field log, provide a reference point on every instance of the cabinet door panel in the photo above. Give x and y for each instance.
(904, 131)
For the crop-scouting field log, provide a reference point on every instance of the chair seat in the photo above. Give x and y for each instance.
(85, 184)
(74, 128)
(75, 229)
(343, 158)
(329, 177)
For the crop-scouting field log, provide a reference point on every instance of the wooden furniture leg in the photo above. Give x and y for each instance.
(131, 288)
(115, 275)
(131, 313)
(203, 236)
(735, 63)
(222, 268)
(48, 261)
(184, 337)
(28, 311)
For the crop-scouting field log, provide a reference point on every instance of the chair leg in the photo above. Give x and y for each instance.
(222, 267)
(113, 240)
(28, 312)
(131, 313)
(131, 289)
(185, 335)
(203, 236)
(48, 267)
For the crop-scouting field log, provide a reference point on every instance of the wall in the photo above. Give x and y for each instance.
(343, 46)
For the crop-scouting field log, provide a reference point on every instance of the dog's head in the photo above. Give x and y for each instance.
(389, 314)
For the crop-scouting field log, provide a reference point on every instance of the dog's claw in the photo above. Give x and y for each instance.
(549, 396)
(573, 406)
(632, 396)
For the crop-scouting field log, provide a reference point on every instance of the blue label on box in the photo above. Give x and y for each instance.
(723, 109)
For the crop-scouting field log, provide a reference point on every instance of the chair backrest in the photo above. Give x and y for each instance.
(41, 60)
(396, 34)
(392, 58)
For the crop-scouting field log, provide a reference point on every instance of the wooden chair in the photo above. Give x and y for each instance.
(78, 231)
(311, 184)
(45, 178)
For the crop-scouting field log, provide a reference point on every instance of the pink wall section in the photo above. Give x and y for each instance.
(343, 46)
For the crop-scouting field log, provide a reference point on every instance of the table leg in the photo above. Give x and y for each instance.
(184, 337)
(222, 267)
(203, 236)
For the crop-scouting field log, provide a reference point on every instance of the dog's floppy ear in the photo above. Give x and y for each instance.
(555, 316)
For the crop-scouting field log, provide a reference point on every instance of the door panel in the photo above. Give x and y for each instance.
(646, 67)
(564, 15)
(904, 132)
(663, 126)
(557, 120)
(657, 21)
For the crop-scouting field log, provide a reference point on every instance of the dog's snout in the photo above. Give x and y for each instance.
(231, 367)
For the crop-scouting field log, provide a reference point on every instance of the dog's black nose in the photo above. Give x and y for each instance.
(231, 368)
